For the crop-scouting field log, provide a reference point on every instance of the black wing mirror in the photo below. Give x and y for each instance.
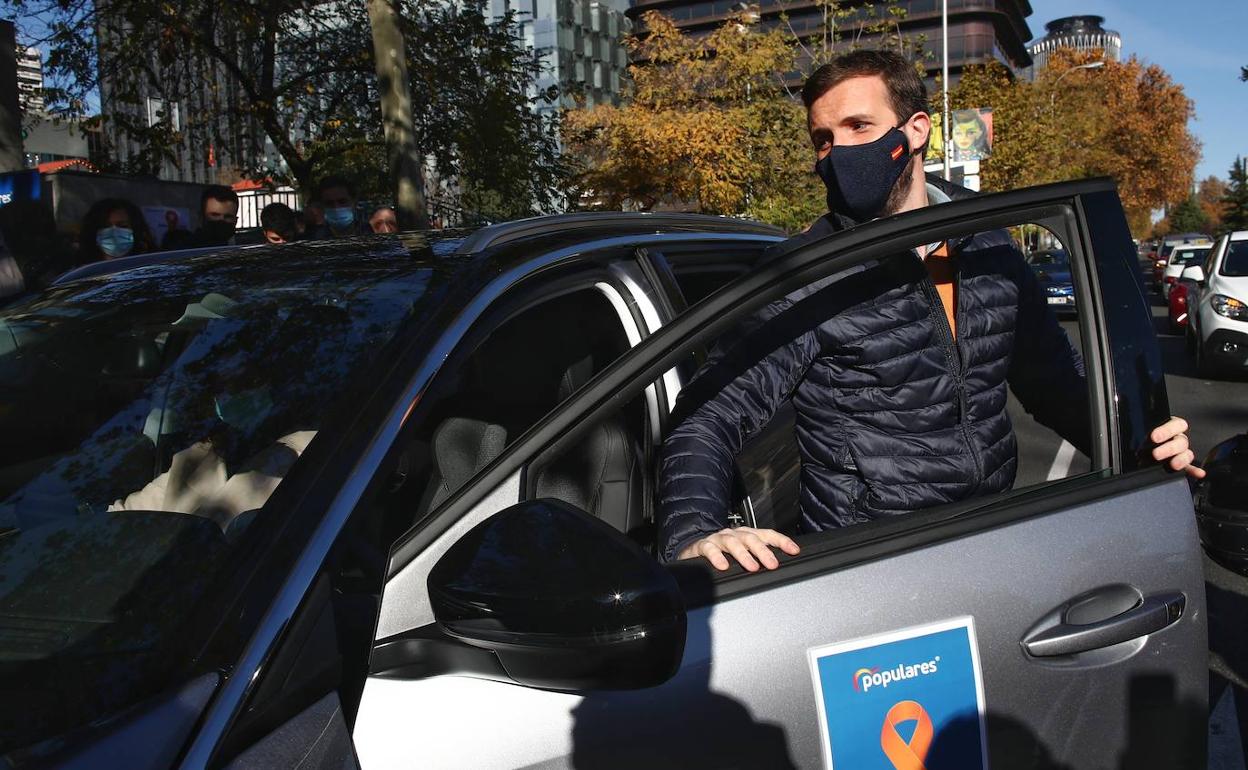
(562, 599)
(1222, 504)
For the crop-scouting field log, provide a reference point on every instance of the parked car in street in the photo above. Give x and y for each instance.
(1217, 334)
(1177, 305)
(1181, 257)
(388, 502)
(1168, 244)
(1052, 269)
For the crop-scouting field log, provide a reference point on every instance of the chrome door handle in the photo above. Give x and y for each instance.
(1149, 616)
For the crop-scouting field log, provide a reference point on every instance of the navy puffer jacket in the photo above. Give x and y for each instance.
(892, 415)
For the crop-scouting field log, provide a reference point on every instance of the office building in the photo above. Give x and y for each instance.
(30, 80)
(579, 43)
(1082, 33)
(979, 30)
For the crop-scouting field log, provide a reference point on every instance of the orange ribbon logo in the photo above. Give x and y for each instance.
(906, 755)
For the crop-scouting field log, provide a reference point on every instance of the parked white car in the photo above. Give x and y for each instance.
(1183, 256)
(1217, 332)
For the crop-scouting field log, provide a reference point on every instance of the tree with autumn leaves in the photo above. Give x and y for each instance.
(710, 124)
(1127, 120)
(709, 127)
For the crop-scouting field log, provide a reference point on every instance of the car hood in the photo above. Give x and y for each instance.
(1236, 286)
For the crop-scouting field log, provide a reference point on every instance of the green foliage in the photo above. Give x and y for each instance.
(302, 75)
(1235, 202)
(1188, 217)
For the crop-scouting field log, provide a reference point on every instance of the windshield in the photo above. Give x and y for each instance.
(1235, 263)
(1188, 256)
(147, 420)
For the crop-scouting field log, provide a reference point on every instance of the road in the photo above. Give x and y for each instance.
(1215, 409)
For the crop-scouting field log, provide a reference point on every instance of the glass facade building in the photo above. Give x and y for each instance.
(979, 30)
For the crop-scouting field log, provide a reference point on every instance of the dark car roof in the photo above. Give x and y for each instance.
(498, 246)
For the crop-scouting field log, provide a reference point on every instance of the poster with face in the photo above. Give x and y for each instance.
(970, 134)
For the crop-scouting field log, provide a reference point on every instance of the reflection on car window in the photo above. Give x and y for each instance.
(147, 419)
(1236, 261)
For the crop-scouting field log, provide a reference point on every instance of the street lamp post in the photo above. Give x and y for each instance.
(1089, 66)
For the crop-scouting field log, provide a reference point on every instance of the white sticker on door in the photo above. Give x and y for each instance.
(911, 699)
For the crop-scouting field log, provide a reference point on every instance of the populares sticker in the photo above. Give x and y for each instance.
(904, 700)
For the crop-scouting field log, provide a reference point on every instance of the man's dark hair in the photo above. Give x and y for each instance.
(279, 218)
(334, 181)
(906, 91)
(217, 192)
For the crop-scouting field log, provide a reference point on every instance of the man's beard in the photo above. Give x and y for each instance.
(897, 196)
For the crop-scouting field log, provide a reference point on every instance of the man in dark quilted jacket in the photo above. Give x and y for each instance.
(897, 372)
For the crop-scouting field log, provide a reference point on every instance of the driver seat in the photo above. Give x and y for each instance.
(601, 474)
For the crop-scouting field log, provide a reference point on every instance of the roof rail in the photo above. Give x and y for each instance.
(520, 229)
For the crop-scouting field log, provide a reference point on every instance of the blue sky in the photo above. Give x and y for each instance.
(1201, 43)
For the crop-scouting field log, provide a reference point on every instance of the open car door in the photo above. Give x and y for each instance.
(1060, 624)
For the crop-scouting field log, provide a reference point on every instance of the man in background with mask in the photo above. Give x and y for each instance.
(868, 121)
(218, 212)
(337, 195)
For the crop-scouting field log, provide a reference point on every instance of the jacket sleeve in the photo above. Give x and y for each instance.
(1046, 371)
(730, 398)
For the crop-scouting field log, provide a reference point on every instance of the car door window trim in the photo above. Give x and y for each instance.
(718, 313)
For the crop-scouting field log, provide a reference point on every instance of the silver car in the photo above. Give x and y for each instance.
(389, 503)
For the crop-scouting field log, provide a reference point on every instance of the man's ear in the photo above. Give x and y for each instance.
(918, 129)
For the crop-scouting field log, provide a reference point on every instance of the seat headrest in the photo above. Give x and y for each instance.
(575, 376)
(462, 446)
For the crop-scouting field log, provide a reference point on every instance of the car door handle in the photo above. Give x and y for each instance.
(1149, 616)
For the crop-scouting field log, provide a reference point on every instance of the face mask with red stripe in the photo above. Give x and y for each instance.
(860, 177)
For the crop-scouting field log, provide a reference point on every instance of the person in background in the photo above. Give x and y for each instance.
(279, 223)
(337, 195)
(218, 212)
(383, 220)
(112, 228)
(312, 220)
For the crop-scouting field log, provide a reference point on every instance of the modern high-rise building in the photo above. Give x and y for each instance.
(579, 43)
(1083, 33)
(979, 30)
(30, 79)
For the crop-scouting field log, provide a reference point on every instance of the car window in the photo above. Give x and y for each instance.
(1212, 256)
(512, 371)
(148, 420)
(851, 406)
(1189, 256)
(1235, 263)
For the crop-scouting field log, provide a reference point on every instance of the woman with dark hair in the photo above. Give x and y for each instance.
(112, 228)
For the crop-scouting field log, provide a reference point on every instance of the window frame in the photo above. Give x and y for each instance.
(801, 266)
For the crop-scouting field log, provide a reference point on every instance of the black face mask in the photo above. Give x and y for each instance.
(216, 232)
(860, 177)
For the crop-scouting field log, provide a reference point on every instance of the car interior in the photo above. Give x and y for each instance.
(519, 373)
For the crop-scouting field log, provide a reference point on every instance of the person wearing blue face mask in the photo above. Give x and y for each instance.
(868, 120)
(113, 228)
(337, 195)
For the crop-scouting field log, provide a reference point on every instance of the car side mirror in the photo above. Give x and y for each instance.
(1222, 504)
(562, 599)
(1194, 273)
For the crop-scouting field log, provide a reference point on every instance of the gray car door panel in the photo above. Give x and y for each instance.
(744, 695)
(1105, 563)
